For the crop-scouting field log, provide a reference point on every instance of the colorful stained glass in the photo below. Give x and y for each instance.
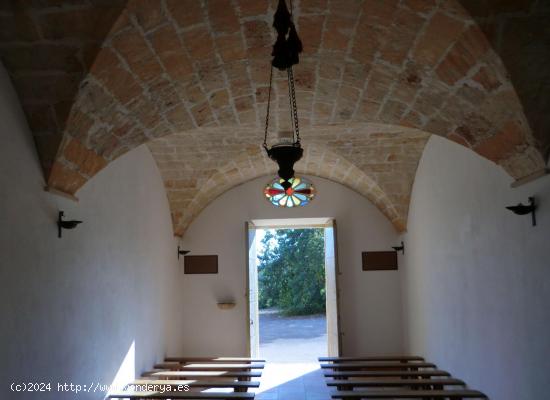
(299, 194)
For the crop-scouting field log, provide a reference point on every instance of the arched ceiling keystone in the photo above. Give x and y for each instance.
(182, 68)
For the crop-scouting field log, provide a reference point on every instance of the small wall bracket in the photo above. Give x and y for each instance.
(522, 209)
(400, 248)
(61, 224)
(182, 252)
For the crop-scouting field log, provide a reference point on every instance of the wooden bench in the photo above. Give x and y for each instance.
(377, 365)
(388, 374)
(237, 386)
(181, 395)
(176, 366)
(202, 375)
(223, 360)
(350, 384)
(409, 394)
(371, 358)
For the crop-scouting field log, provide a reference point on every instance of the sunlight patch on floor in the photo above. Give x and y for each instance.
(294, 381)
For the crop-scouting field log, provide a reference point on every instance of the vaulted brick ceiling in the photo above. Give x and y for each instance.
(189, 78)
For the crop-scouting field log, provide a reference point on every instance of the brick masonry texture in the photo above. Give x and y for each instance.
(189, 78)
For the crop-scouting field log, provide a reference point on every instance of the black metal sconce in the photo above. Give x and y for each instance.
(65, 224)
(400, 248)
(522, 209)
(182, 252)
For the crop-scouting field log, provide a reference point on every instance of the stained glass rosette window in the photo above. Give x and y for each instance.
(299, 194)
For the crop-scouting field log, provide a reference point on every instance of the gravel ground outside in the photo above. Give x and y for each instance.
(292, 339)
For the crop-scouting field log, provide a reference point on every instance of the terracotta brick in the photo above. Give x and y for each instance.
(219, 99)
(118, 81)
(258, 38)
(311, 32)
(231, 47)
(148, 13)
(503, 144)
(133, 47)
(186, 12)
(244, 103)
(338, 31)
(202, 114)
(198, 43)
(439, 35)
(65, 179)
(223, 17)
(466, 52)
(251, 8)
(400, 39)
(89, 163)
(487, 78)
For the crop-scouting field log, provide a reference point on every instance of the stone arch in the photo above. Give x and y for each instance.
(378, 161)
(246, 168)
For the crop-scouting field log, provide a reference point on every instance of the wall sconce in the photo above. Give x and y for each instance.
(400, 248)
(65, 224)
(182, 252)
(522, 209)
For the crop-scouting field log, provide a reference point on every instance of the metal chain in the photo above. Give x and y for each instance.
(268, 106)
(293, 106)
(292, 101)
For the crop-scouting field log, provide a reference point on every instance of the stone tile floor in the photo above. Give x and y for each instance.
(292, 381)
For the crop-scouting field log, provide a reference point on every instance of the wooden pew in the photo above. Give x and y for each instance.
(437, 384)
(222, 360)
(386, 374)
(237, 386)
(408, 394)
(371, 358)
(181, 395)
(202, 375)
(376, 365)
(176, 366)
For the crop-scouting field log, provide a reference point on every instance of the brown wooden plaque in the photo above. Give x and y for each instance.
(379, 260)
(201, 264)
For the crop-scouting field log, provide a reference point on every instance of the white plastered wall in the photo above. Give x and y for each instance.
(476, 277)
(72, 308)
(370, 301)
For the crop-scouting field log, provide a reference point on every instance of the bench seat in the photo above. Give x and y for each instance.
(409, 394)
(349, 384)
(223, 360)
(241, 375)
(377, 365)
(377, 374)
(371, 358)
(208, 367)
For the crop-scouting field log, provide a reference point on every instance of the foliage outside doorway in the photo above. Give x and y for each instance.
(291, 271)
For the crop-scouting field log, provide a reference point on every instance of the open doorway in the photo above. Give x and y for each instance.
(292, 289)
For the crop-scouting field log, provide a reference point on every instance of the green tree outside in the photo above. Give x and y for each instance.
(291, 271)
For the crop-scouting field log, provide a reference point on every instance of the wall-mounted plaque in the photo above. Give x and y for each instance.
(379, 260)
(201, 264)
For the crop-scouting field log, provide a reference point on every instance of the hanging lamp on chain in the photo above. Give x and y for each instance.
(285, 54)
